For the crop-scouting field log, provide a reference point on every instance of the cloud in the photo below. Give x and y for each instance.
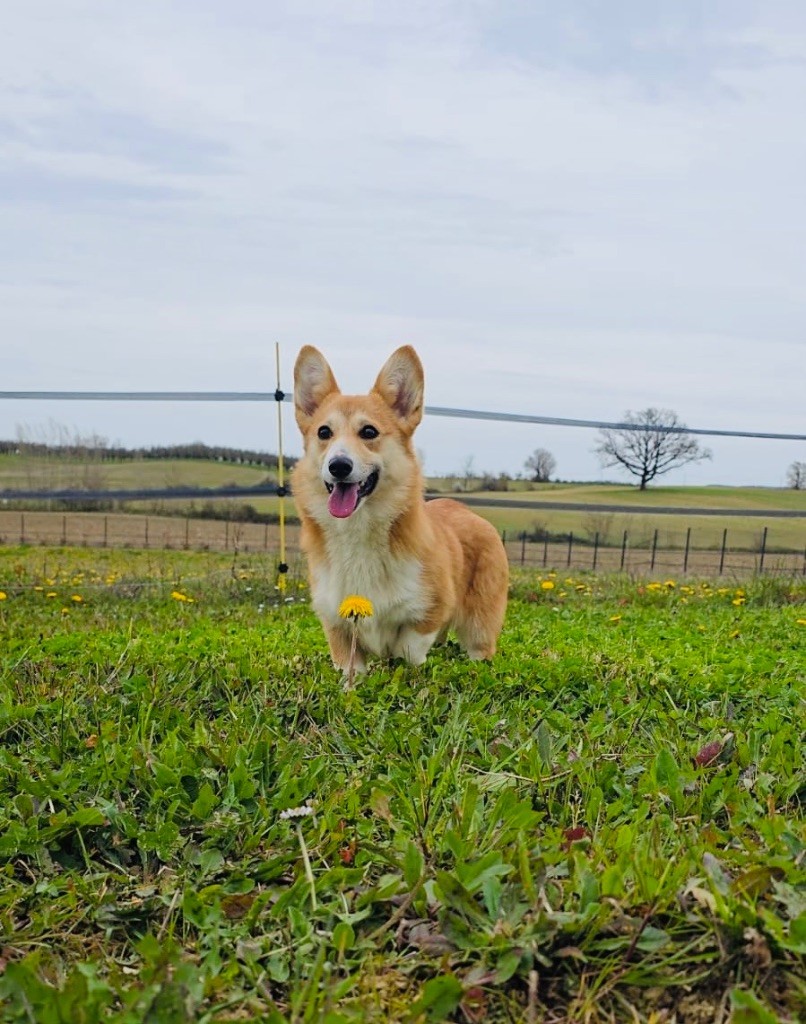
(571, 210)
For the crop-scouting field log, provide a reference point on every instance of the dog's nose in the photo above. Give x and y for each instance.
(340, 468)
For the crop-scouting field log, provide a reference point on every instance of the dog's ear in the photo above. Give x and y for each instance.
(313, 382)
(400, 385)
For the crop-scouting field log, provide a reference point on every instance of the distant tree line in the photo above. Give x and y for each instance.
(97, 449)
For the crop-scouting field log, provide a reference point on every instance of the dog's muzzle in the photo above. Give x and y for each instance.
(345, 494)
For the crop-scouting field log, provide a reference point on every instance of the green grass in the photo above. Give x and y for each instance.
(655, 494)
(531, 839)
(51, 472)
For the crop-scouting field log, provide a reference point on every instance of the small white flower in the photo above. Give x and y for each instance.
(296, 812)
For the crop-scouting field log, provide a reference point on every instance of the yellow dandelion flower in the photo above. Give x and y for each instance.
(615, 618)
(77, 598)
(670, 584)
(801, 622)
(177, 595)
(738, 601)
(51, 593)
(355, 607)
(547, 585)
(3, 595)
(734, 634)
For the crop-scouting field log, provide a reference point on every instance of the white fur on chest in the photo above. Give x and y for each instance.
(393, 585)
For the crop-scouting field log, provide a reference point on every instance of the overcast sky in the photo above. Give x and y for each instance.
(570, 209)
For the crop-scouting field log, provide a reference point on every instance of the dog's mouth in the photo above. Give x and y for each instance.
(344, 497)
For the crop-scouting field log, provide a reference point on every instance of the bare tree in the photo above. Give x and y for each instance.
(796, 476)
(468, 473)
(540, 464)
(657, 443)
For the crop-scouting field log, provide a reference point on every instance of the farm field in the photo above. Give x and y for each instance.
(21, 471)
(605, 823)
(53, 473)
(624, 494)
(744, 533)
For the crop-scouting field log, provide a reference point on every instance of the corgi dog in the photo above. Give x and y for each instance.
(367, 530)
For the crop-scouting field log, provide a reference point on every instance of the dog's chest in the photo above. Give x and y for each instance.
(393, 584)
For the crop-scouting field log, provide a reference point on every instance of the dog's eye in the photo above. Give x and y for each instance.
(324, 433)
(368, 433)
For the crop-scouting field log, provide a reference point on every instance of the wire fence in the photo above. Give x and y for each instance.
(640, 555)
(632, 552)
(185, 532)
(430, 410)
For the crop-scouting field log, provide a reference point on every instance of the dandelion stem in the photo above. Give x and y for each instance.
(351, 663)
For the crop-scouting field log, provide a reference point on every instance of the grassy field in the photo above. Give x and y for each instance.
(603, 824)
(624, 494)
(32, 472)
(744, 532)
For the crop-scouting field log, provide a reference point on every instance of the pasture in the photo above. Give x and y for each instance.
(51, 472)
(603, 824)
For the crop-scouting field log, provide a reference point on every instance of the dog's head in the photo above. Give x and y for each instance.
(357, 447)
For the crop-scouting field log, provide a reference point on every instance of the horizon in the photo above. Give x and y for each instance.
(102, 444)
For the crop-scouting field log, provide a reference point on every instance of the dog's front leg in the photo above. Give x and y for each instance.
(413, 646)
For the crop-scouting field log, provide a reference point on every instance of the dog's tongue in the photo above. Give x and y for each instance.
(343, 500)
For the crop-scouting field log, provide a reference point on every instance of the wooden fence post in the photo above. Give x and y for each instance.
(685, 556)
(523, 547)
(722, 552)
(546, 549)
(595, 550)
(623, 551)
(570, 549)
(654, 551)
(763, 550)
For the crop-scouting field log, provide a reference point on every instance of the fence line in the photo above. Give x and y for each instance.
(569, 552)
(262, 491)
(430, 410)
